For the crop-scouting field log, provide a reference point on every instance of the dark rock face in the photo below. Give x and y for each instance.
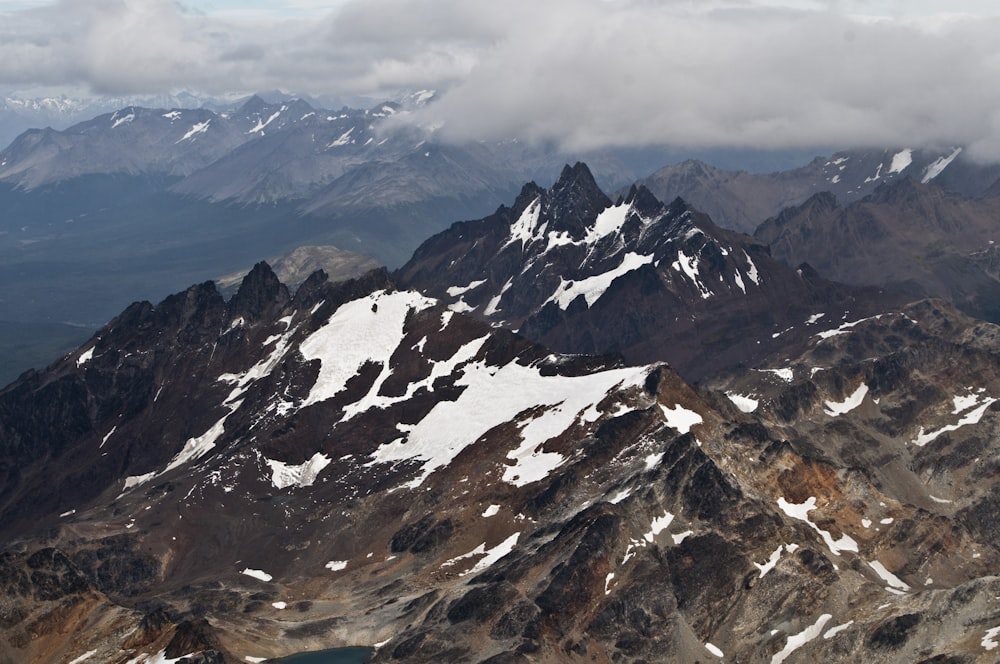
(916, 239)
(359, 465)
(639, 278)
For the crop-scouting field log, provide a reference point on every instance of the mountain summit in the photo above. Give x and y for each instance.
(581, 274)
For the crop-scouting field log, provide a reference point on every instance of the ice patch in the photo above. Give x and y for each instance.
(688, 265)
(742, 402)
(785, 374)
(989, 641)
(524, 228)
(835, 409)
(971, 417)
(261, 123)
(592, 288)
(681, 418)
(771, 562)
(888, 576)
(198, 128)
(125, 119)
(493, 555)
(796, 641)
(500, 395)
(257, 574)
(845, 327)
(901, 160)
(285, 475)
(85, 356)
(85, 656)
(834, 631)
(365, 330)
(801, 512)
(936, 168)
(455, 291)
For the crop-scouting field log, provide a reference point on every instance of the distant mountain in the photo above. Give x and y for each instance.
(361, 465)
(742, 200)
(20, 112)
(296, 266)
(914, 238)
(582, 274)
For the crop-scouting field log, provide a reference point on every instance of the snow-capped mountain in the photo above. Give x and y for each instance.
(741, 200)
(360, 465)
(575, 271)
(20, 112)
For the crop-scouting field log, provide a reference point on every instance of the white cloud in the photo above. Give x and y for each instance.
(583, 73)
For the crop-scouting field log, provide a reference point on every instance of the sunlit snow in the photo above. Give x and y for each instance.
(592, 288)
(500, 395)
(365, 330)
(680, 418)
(935, 169)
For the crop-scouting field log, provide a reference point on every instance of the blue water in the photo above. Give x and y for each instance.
(355, 655)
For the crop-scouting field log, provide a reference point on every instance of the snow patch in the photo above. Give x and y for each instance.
(935, 169)
(492, 510)
(85, 656)
(714, 650)
(279, 605)
(888, 576)
(688, 265)
(989, 641)
(796, 641)
(336, 565)
(524, 228)
(85, 356)
(365, 330)
(592, 288)
(493, 555)
(681, 418)
(834, 631)
(285, 475)
(455, 291)
(500, 395)
(971, 417)
(835, 409)
(901, 160)
(199, 128)
(743, 402)
(801, 513)
(257, 574)
(262, 123)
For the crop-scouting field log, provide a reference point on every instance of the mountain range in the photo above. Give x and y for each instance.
(385, 462)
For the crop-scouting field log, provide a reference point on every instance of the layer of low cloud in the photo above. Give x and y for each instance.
(581, 73)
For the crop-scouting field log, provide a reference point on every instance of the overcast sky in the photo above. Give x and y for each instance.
(770, 74)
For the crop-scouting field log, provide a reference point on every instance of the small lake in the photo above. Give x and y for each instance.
(357, 655)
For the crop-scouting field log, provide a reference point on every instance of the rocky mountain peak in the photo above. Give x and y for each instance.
(575, 200)
(260, 294)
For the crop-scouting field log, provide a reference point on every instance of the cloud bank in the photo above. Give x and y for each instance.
(583, 74)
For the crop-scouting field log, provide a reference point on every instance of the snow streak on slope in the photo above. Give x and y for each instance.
(496, 396)
(592, 288)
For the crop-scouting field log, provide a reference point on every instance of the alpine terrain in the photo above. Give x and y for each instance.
(383, 462)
